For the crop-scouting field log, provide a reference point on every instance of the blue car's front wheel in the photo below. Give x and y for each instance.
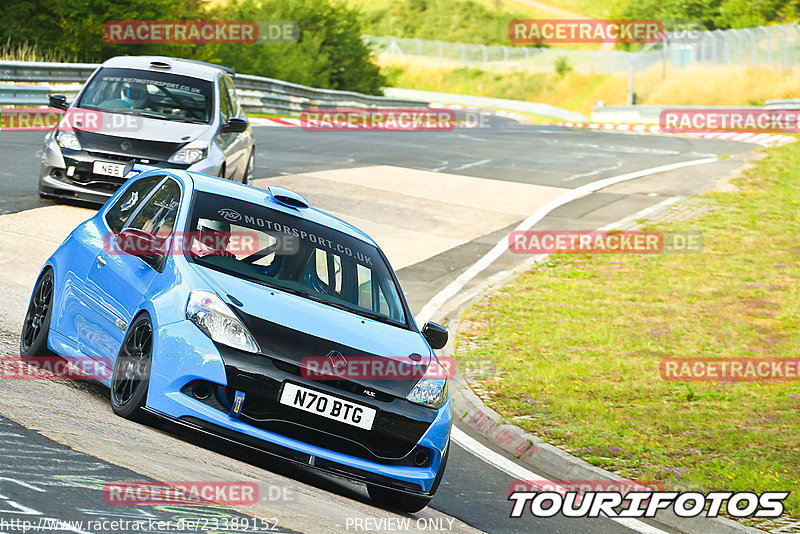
(33, 339)
(131, 374)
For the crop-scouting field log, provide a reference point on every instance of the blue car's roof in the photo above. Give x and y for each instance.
(212, 184)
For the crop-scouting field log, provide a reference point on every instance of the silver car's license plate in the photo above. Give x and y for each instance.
(108, 169)
(313, 401)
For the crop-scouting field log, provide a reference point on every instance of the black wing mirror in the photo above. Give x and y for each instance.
(58, 102)
(235, 125)
(435, 334)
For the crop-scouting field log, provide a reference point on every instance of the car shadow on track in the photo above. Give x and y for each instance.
(263, 460)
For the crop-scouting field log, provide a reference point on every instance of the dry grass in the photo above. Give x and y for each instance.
(711, 85)
(718, 85)
(27, 52)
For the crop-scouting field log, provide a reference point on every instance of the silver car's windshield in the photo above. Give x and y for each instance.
(161, 95)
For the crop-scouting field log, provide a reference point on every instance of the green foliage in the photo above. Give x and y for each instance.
(562, 66)
(464, 21)
(75, 28)
(330, 53)
(714, 14)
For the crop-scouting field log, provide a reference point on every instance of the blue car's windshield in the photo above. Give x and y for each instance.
(290, 253)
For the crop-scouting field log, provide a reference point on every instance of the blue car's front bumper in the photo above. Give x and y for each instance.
(179, 363)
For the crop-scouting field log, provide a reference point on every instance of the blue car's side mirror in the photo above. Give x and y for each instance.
(435, 334)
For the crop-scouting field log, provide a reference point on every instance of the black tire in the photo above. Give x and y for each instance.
(131, 375)
(35, 328)
(403, 502)
(249, 171)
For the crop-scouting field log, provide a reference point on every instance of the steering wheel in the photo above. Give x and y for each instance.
(143, 242)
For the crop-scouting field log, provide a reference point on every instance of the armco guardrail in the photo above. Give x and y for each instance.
(257, 93)
(791, 103)
(545, 110)
(651, 114)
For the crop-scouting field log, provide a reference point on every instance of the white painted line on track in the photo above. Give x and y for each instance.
(13, 234)
(623, 224)
(521, 473)
(473, 164)
(476, 268)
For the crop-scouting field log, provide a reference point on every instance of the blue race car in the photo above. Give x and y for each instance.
(254, 343)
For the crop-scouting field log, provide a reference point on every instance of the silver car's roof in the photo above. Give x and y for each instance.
(203, 71)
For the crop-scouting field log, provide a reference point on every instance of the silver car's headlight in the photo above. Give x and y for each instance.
(68, 140)
(215, 318)
(430, 391)
(191, 153)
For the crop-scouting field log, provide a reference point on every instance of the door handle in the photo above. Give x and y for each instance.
(101, 260)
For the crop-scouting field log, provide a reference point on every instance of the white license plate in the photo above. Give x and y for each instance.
(313, 401)
(108, 169)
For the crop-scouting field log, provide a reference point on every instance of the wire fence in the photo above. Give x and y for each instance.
(774, 46)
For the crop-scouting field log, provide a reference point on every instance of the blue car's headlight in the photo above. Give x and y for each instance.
(215, 318)
(429, 391)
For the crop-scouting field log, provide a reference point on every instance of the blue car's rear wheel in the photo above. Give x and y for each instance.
(131, 374)
(33, 339)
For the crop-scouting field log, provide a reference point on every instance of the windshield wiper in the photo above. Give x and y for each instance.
(190, 121)
(138, 113)
(364, 313)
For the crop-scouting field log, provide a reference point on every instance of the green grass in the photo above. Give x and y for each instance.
(571, 349)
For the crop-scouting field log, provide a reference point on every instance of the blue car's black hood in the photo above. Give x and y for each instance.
(292, 329)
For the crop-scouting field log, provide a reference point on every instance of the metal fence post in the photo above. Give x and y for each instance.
(739, 49)
(796, 28)
(785, 54)
(752, 35)
(769, 43)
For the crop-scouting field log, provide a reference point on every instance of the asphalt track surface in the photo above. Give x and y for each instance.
(550, 158)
